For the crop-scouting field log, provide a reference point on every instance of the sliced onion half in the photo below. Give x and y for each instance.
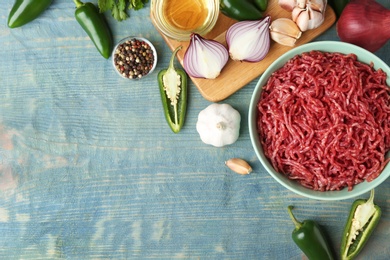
(249, 40)
(204, 58)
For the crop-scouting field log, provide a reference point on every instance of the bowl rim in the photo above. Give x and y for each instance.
(137, 38)
(328, 46)
(174, 33)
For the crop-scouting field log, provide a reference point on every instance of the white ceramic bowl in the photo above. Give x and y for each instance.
(326, 46)
(125, 73)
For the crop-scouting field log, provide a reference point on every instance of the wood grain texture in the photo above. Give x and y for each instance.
(235, 75)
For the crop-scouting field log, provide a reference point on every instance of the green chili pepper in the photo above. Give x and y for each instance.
(261, 4)
(173, 89)
(310, 238)
(338, 5)
(243, 9)
(24, 11)
(94, 24)
(363, 218)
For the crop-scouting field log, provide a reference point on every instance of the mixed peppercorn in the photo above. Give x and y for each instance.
(134, 58)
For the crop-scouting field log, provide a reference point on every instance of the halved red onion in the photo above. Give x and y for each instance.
(204, 58)
(249, 40)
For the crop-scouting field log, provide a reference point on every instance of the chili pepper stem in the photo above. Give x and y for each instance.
(295, 221)
(171, 65)
(78, 3)
(371, 198)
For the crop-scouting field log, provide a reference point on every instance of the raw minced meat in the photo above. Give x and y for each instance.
(324, 120)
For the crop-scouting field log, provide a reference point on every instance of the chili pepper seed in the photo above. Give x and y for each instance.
(134, 57)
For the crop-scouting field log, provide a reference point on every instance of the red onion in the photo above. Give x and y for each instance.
(249, 40)
(365, 23)
(204, 58)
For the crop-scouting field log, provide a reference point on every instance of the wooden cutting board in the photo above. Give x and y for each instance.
(235, 75)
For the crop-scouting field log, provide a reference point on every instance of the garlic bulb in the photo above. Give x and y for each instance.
(311, 16)
(307, 14)
(219, 124)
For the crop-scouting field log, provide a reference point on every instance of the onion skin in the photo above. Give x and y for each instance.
(364, 23)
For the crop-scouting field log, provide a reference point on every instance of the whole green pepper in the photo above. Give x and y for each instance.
(261, 4)
(94, 24)
(173, 89)
(243, 9)
(310, 239)
(363, 218)
(338, 5)
(24, 11)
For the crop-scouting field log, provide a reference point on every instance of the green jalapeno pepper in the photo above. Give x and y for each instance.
(363, 218)
(338, 5)
(173, 90)
(24, 11)
(261, 4)
(94, 24)
(243, 9)
(310, 239)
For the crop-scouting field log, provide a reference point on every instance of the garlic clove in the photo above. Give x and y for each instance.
(283, 39)
(286, 26)
(239, 166)
(301, 18)
(287, 5)
(284, 31)
(301, 4)
(318, 5)
(295, 13)
(316, 19)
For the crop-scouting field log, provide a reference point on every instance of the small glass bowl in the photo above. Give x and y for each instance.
(134, 57)
(160, 19)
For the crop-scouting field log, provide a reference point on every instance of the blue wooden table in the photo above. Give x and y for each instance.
(89, 169)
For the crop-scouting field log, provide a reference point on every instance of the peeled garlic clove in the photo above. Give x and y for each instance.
(239, 166)
(284, 31)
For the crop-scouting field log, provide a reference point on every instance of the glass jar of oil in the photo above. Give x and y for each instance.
(177, 19)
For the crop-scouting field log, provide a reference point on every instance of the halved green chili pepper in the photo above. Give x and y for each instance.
(363, 218)
(173, 89)
(310, 238)
(94, 24)
(24, 11)
(243, 9)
